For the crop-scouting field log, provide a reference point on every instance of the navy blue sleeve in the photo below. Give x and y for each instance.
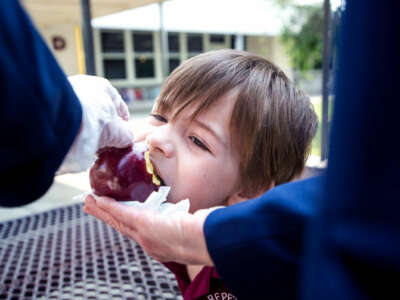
(354, 250)
(39, 112)
(257, 245)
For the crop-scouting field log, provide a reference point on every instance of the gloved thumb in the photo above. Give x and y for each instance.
(117, 133)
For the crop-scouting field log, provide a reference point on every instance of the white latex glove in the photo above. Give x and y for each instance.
(104, 122)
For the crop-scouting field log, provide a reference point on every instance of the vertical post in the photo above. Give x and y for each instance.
(88, 37)
(80, 52)
(164, 43)
(325, 80)
(239, 42)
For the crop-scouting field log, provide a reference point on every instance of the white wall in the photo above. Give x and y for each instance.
(66, 57)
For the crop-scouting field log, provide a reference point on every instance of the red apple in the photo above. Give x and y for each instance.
(121, 174)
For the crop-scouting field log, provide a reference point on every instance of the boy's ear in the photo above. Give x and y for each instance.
(240, 196)
(236, 198)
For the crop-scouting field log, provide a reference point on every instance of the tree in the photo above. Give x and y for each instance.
(303, 37)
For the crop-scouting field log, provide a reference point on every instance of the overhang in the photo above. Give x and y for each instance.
(50, 12)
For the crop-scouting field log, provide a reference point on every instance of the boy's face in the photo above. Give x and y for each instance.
(196, 158)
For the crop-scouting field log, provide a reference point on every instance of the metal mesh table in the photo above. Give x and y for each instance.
(66, 254)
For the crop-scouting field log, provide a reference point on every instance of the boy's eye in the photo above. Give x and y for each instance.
(159, 118)
(198, 143)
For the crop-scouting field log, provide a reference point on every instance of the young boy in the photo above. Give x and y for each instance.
(227, 126)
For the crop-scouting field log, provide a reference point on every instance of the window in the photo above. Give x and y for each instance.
(114, 68)
(143, 42)
(144, 67)
(113, 54)
(173, 64)
(143, 48)
(174, 50)
(233, 42)
(195, 43)
(112, 42)
(173, 43)
(217, 39)
(132, 57)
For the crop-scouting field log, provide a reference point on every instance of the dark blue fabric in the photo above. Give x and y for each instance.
(354, 246)
(257, 245)
(39, 112)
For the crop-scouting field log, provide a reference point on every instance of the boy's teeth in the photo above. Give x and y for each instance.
(150, 168)
(156, 180)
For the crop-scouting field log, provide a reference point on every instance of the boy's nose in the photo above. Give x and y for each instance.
(159, 140)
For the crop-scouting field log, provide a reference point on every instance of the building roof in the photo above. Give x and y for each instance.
(250, 17)
(50, 12)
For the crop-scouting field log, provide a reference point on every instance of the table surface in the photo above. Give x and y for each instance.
(67, 254)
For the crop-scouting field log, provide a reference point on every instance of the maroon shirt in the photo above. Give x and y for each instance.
(207, 285)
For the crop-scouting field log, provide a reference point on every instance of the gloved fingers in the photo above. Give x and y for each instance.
(142, 129)
(98, 91)
(119, 103)
(117, 133)
(103, 123)
(123, 111)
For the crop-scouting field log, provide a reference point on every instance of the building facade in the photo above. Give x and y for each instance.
(133, 59)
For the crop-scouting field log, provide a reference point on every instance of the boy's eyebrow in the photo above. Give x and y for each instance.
(213, 131)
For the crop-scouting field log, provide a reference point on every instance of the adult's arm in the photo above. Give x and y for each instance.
(354, 247)
(257, 245)
(39, 112)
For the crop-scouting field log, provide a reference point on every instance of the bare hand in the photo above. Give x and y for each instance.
(177, 237)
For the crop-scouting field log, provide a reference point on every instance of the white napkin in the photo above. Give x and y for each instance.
(156, 201)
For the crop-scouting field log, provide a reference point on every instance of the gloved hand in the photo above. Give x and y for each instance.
(104, 122)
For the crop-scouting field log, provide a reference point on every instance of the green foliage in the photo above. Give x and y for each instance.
(284, 2)
(303, 37)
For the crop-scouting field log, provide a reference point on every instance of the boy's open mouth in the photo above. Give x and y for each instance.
(151, 169)
(156, 174)
(159, 179)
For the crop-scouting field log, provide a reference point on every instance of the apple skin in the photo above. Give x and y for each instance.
(121, 174)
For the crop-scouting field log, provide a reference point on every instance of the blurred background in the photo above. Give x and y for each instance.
(137, 43)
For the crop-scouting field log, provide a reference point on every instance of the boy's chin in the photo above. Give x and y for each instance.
(172, 198)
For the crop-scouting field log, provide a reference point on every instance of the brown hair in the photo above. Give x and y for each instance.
(272, 123)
